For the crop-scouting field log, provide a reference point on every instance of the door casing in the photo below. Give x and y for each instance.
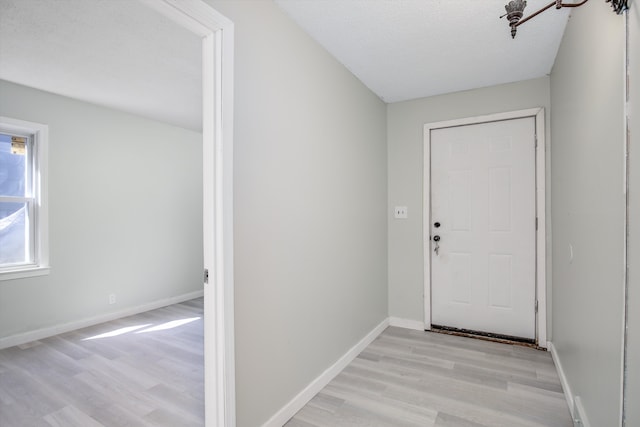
(541, 285)
(217, 34)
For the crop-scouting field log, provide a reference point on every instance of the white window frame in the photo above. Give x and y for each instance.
(40, 135)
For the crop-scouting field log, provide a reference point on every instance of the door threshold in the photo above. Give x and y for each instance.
(486, 336)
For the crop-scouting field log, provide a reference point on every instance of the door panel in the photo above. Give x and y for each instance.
(483, 196)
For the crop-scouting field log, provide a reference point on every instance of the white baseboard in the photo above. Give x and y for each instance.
(406, 323)
(290, 409)
(563, 379)
(50, 331)
(579, 415)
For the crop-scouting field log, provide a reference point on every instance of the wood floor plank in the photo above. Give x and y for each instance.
(440, 380)
(142, 370)
(155, 377)
(380, 404)
(299, 423)
(446, 420)
(71, 416)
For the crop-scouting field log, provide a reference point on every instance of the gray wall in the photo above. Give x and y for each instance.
(588, 208)
(405, 163)
(633, 356)
(310, 209)
(125, 213)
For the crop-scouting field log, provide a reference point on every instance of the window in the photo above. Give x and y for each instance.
(23, 199)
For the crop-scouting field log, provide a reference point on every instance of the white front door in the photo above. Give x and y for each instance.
(483, 212)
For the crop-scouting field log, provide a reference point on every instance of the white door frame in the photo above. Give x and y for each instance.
(541, 289)
(217, 33)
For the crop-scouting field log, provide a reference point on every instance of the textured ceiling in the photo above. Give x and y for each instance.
(121, 54)
(116, 53)
(405, 49)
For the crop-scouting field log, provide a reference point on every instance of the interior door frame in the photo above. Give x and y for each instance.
(541, 257)
(217, 34)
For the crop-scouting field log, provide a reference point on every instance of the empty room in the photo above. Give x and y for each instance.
(309, 213)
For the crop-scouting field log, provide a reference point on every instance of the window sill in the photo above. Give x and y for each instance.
(22, 273)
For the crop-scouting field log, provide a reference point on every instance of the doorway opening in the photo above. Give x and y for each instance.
(217, 34)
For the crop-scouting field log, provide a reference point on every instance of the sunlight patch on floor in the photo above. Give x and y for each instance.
(168, 325)
(117, 332)
(141, 329)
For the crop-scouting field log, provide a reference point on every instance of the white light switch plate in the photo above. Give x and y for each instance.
(400, 212)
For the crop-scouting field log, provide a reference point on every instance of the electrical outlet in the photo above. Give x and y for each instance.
(400, 212)
(112, 298)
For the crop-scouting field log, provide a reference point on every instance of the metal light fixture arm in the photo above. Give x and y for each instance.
(515, 9)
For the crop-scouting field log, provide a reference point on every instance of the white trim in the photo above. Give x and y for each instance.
(426, 224)
(627, 98)
(178, 13)
(576, 409)
(580, 418)
(416, 325)
(24, 272)
(541, 257)
(291, 408)
(50, 331)
(563, 378)
(541, 233)
(217, 34)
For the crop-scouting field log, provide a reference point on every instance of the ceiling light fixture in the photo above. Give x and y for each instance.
(515, 9)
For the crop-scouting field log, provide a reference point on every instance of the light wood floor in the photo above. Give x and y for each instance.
(156, 378)
(142, 377)
(410, 378)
